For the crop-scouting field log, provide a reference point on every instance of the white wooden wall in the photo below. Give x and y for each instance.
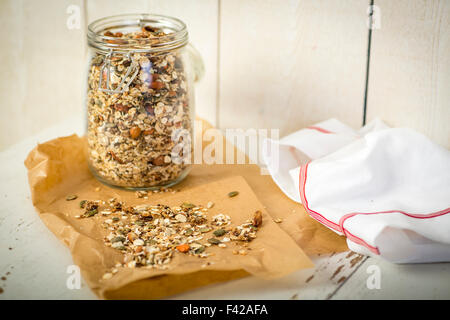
(269, 64)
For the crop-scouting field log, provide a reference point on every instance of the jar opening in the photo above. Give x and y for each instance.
(175, 33)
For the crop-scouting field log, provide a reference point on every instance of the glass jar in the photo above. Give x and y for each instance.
(140, 100)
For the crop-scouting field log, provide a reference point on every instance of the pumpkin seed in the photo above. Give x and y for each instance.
(91, 213)
(117, 239)
(219, 232)
(71, 197)
(188, 205)
(213, 241)
(200, 249)
(233, 194)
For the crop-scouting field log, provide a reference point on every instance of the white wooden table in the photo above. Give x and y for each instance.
(33, 263)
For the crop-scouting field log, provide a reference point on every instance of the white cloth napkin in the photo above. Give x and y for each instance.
(387, 190)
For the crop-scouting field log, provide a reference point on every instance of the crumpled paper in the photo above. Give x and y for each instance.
(58, 168)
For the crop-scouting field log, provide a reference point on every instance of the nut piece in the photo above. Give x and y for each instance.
(257, 219)
(159, 161)
(135, 132)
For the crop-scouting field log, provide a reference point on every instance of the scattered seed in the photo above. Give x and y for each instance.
(188, 205)
(82, 203)
(214, 241)
(210, 204)
(219, 232)
(91, 213)
(71, 197)
(233, 194)
(118, 239)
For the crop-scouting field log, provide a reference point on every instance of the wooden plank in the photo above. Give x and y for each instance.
(293, 64)
(321, 282)
(41, 69)
(397, 281)
(201, 18)
(410, 67)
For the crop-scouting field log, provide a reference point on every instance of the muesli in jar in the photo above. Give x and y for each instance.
(139, 114)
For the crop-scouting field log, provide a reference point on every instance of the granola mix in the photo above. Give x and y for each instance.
(150, 235)
(138, 138)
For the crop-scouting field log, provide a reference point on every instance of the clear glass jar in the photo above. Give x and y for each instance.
(140, 100)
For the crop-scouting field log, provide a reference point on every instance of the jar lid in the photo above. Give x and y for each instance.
(175, 30)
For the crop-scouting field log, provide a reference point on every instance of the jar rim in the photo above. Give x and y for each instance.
(176, 38)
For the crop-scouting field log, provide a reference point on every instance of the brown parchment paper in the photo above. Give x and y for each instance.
(58, 168)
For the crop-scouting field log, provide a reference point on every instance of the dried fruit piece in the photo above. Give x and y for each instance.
(121, 107)
(157, 85)
(233, 194)
(148, 132)
(183, 248)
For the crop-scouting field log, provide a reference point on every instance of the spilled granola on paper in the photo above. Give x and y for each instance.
(150, 235)
(139, 138)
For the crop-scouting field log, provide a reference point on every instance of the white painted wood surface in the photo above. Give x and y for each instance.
(293, 64)
(409, 83)
(269, 64)
(40, 69)
(36, 265)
